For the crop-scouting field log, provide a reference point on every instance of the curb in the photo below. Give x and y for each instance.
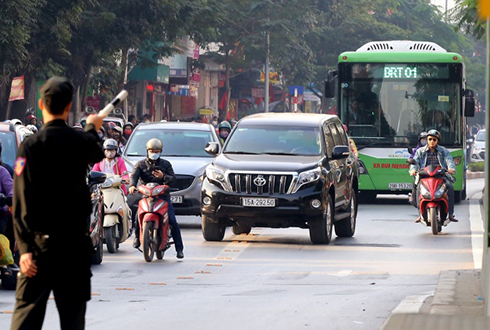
(474, 175)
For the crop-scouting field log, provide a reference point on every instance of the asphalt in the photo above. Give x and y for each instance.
(457, 302)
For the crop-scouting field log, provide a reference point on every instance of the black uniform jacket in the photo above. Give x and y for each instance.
(51, 196)
(144, 168)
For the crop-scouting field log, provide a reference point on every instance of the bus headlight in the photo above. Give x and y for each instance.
(362, 167)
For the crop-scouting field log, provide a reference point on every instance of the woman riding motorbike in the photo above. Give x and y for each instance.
(112, 163)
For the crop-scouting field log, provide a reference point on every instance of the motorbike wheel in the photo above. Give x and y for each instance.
(98, 253)
(160, 254)
(434, 224)
(110, 239)
(321, 229)
(148, 246)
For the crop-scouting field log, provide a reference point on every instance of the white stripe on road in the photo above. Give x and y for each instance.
(412, 304)
(477, 231)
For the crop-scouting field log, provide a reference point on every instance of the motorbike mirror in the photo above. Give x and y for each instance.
(411, 161)
(410, 150)
(96, 178)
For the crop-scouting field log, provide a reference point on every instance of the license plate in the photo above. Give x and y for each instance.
(398, 186)
(176, 199)
(259, 202)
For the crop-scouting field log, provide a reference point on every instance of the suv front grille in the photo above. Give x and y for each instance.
(260, 183)
(183, 181)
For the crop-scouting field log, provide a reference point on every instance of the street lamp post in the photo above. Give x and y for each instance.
(266, 91)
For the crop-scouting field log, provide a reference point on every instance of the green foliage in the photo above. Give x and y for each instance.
(476, 167)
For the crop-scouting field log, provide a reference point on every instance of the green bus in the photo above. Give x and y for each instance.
(388, 92)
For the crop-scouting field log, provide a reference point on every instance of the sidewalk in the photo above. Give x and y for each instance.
(474, 175)
(457, 304)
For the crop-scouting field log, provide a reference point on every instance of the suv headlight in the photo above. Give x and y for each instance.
(307, 177)
(217, 175)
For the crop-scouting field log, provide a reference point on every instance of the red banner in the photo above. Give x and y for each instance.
(17, 89)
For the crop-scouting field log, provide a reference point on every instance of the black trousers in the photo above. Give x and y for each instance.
(67, 276)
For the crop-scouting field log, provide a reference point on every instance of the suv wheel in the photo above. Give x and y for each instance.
(212, 231)
(321, 229)
(347, 226)
(239, 229)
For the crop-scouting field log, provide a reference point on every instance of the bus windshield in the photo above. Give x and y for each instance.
(388, 105)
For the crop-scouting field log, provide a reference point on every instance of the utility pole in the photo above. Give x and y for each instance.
(266, 92)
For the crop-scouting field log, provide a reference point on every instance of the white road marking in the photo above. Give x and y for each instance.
(412, 304)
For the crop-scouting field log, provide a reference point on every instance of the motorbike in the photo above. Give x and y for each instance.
(96, 229)
(432, 201)
(117, 214)
(153, 221)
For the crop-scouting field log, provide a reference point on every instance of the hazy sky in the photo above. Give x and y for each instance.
(442, 3)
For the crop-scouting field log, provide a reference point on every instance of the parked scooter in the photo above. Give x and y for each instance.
(96, 217)
(153, 221)
(117, 214)
(432, 197)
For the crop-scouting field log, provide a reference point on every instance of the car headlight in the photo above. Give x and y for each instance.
(440, 191)
(108, 183)
(217, 175)
(307, 177)
(425, 192)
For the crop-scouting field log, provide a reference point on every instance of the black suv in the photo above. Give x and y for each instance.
(282, 170)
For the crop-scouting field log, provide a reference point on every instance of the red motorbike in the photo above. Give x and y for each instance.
(153, 221)
(433, 200)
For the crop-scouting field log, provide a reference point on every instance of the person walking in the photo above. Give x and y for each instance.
(51, 205)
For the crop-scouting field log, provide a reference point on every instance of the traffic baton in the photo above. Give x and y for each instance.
(108, 108)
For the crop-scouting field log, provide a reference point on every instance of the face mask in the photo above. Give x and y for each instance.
(128, 131)
(423, 142)
(224, 134)
(110, 153)
(153, 155)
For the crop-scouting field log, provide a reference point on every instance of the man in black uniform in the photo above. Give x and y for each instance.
(51, 209)
(158, 170)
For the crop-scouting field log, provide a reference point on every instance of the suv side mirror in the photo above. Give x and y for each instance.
(469, 103)
(96, 178)
(340, 152)
(212, 148)
(331, 83)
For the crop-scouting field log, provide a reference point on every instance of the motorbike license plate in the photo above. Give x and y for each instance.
(176, 199)
(259, 202)
(398, 186)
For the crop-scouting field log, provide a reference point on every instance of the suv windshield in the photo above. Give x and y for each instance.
(9, 147)
(281, 140)
(176, 143)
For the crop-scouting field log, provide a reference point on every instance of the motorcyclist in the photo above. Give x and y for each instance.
(7, 166)
(436, 155)
(6, 225)
(224, 130)
(117, 135)
(127, 130)
(112, 163)
(154, 169)
(422, 141)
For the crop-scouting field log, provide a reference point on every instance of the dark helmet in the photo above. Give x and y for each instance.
(224, 125)
(110, 144)
(422, 135)
(434, 132)
(154, 144)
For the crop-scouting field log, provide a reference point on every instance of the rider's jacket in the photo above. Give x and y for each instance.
(443, 155)
(144, 168)
(6, 184)
(119, 169)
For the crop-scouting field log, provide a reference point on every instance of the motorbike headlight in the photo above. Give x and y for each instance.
(440, 191)
(217, 175)
(307, 177)
(425, 192)
(108, 183)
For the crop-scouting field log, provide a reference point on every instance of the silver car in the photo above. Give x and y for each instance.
(478, 148)
(183, 147)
